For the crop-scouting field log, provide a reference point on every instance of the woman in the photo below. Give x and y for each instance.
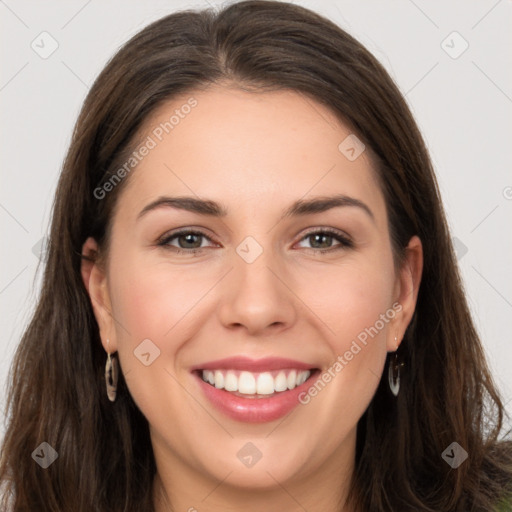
(249, 370)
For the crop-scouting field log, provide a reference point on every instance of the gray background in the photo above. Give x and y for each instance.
(462, 102)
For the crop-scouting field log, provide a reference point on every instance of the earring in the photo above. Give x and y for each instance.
(394, 372)
(111, 374)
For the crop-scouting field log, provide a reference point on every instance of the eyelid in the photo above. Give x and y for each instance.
(345, 241)
(166, 237)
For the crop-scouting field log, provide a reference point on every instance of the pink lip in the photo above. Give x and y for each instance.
(253, 365)
(253, 410)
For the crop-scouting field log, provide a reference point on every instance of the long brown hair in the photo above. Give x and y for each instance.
(57, 392)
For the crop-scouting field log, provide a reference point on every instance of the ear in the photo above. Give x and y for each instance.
(95, 281)
(406, 290)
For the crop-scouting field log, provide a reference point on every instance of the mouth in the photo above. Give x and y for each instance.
(254, 391)
(254, 385)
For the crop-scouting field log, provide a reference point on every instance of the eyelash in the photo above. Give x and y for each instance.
(345, 242)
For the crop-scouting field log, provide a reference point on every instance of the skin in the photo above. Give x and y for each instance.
(255, 153)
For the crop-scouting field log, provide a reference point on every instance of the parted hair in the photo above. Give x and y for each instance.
(56, 387)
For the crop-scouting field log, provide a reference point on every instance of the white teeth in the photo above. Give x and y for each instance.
(281, 383)
(249, 383)
(246, 383)
(292, 379)
(219, 379)
(231, 382)
(265, 384)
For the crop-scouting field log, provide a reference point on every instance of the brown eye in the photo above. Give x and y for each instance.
(322, 240)
(188, 241)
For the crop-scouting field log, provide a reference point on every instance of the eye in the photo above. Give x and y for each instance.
(189, 241)
(325, 236)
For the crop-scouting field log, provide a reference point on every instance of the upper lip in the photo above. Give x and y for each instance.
(253, 365)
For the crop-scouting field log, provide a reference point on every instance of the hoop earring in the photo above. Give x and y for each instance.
(111, 375)
(394, 375)
(394, 372)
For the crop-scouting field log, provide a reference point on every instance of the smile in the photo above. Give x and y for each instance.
(254, 391)
(255, 384)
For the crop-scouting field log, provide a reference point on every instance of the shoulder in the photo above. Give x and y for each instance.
(505, 505)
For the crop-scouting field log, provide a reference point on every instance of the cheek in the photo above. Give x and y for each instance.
(153, 308)
(349, 297)
(151, 301)
(355, 302)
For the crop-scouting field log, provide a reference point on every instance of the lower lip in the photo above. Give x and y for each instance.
(255, 410)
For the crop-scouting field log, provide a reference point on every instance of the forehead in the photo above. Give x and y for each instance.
(250, 150)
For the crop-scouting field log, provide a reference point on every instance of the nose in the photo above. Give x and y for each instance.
(256, 296)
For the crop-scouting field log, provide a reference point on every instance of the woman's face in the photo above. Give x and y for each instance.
(262, 289)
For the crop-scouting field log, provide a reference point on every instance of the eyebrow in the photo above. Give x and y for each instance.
(298, 208)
